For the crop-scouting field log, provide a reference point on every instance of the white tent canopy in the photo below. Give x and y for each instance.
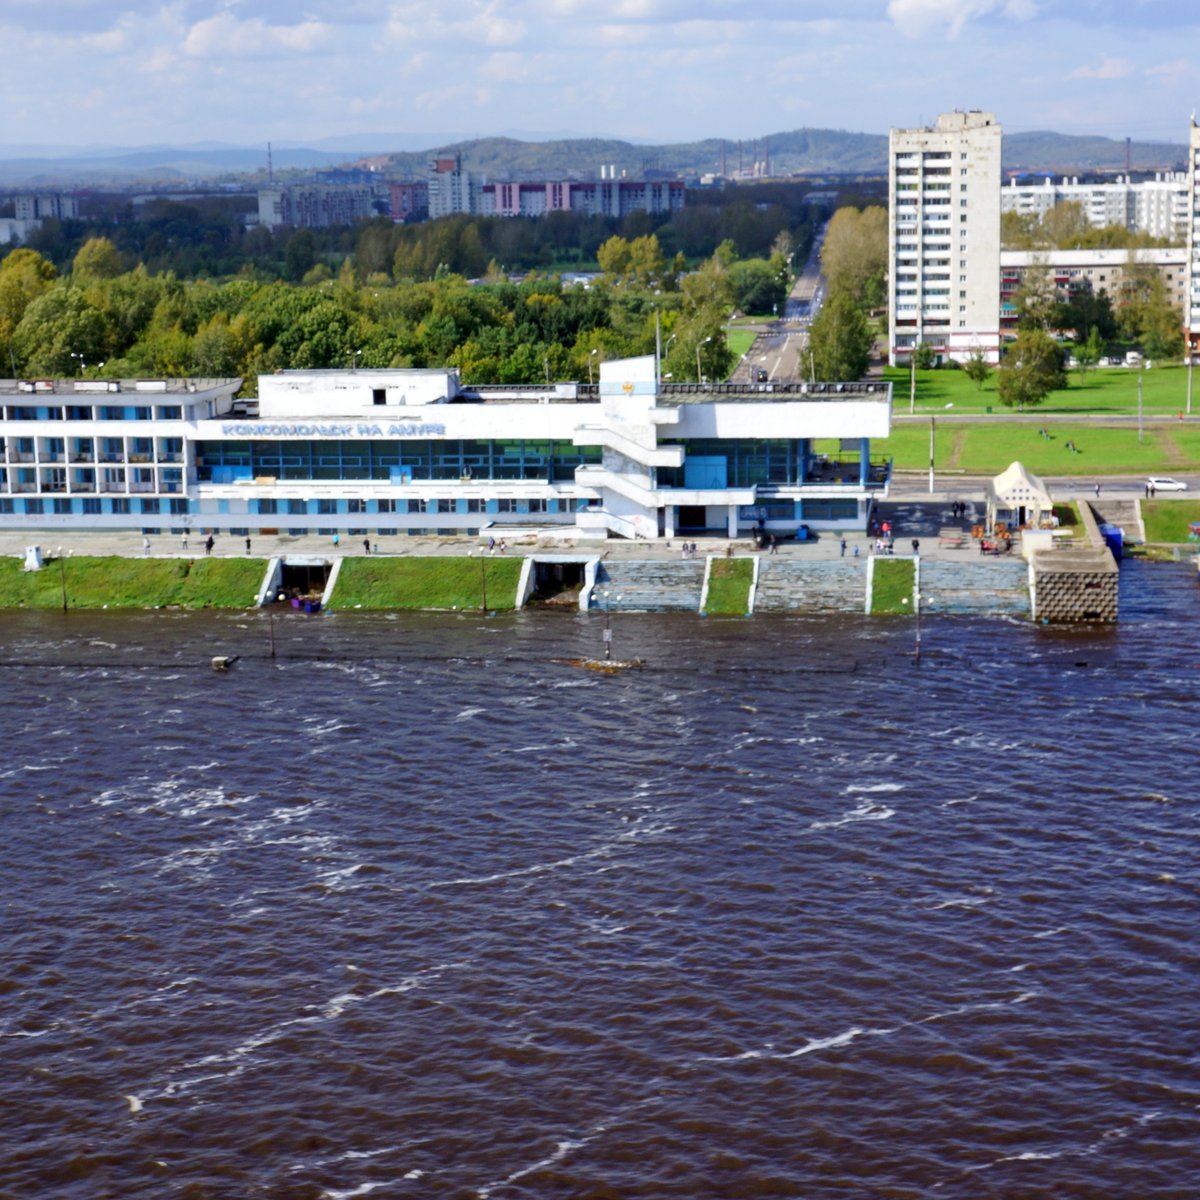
(1017, 497)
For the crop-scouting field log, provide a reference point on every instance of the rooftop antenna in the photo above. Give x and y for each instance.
(1128, 155)
(270, 165)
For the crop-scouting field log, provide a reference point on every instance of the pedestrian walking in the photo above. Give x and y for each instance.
(247, 545)
(367, 545)
(183, 540)
(916, 545)
(774, 545)
(208, 545)
(337, 539)
(843, 547)
(145, 547)
(1097, 491)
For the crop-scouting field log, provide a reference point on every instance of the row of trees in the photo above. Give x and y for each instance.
(1066, 227)
(105, 321)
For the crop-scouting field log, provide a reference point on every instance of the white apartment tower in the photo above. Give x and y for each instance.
(944, 237)
(1191, 312)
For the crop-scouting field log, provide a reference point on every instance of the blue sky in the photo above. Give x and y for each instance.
(90, 71)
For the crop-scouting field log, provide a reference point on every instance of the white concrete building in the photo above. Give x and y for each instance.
(1191, 312)
(1155, 206)
(414, 451)
(944, 237)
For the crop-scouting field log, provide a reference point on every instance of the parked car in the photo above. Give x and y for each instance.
(1164, 483)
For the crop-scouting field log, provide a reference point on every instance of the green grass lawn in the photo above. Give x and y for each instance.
(1104, 390)
(426, 583)
(739, 341)
(729, 587)
(892, 584)
(989, 447)
(1168, 520)
(133, 583)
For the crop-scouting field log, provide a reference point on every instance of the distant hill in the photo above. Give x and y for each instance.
(800, 151)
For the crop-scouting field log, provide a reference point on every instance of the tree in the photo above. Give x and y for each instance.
(98, 258)
(840, 340)
(976, 369)
(758, 286)
(1088, 355)
(924, 356)
(1036, 299)
(854, 254)
(1034, 366)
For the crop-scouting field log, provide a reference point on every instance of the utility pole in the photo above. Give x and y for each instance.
(912, 381)
(482, 583)
(1191, 359)
(932, 429)
(1139, 408)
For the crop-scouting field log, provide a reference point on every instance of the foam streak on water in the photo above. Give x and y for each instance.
(417, 911)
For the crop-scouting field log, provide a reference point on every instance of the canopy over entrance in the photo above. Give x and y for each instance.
(1017, 497)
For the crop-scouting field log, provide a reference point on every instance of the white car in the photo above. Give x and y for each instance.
(1164, 483)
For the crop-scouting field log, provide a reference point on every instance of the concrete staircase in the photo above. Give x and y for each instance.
(784, 584)
(670, 586)
(975, 585)
(1124, 513)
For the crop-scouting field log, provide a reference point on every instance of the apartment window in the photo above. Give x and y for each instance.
(120, 506)
(962, 308)
(962, 324)
(62, 507)
(387, 506)
(296, 507)
(445, 506)
(178, 508)
(91, 506)
(962, 293)
(962, 262)
(327, 508)
(356, 506)
(962, 157)
(963, 202)
(962, 170)
(416, 506)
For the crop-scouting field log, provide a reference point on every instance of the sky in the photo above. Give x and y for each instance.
(107, 72)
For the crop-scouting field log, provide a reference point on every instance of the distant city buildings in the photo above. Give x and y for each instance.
(944, 237)
(52, 205)
(318, 206)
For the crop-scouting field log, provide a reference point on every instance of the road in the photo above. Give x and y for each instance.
(780, 344)
(913, 484)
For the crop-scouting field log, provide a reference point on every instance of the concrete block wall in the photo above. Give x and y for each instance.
(1074, 586)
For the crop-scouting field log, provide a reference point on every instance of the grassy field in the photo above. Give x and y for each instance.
(739, 341)
(426, 583)
(1167, 447)
(1105, 390)
(1168, 520)
(133, 583)
(729, 587)
(892, 585)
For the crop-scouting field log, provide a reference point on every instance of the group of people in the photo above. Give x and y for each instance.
(688, 550)
(959, 509)
(494, 545)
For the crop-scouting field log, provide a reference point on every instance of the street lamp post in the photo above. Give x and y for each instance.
(82, 364)
(1191, 359)
(591, 356)
(932, 434)
(482, 583)
(608, 628)
(62, 578)
(699, 377)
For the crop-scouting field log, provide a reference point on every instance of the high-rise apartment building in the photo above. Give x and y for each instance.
(944, 237)
(1191, 310)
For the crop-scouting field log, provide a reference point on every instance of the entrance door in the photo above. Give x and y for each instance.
(692, 516)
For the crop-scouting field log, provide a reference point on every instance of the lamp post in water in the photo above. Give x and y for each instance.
(62, 577)
(482, 583)
(608, 628)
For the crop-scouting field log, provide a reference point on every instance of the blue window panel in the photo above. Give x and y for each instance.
(222, 506)
(493, 506)
(461, 506)
(522, 506)
(706, 471)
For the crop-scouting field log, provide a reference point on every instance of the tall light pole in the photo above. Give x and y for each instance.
(699, 377)
(912, 380)
(1191, 360)
(932, 434)
(82, 364)
(1139, 408)
(62, 578)
(608, 628)
(482, 583)
(591, 356)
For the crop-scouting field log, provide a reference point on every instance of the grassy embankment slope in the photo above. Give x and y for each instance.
(132, 583)
(988, 446)
(426, 583)
(892, 582)
(729, 587)
(1167, 521)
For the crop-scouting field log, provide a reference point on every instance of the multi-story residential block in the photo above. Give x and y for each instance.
(1155, 206)
(38, 208)
(944, 237)
(1072, 270)
(451, 189)
(1191, 311)
(318, 206)
(601, 198)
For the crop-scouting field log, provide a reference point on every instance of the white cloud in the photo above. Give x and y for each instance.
(224, 35)
(917, 18)
(1109, 68)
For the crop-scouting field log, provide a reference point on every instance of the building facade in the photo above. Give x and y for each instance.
(320, 206)
(1155, 206)
(1099, 270)
(1191, 310)
(944, 237)
(414, 451)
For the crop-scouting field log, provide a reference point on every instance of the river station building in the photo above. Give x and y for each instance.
(387, 452)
